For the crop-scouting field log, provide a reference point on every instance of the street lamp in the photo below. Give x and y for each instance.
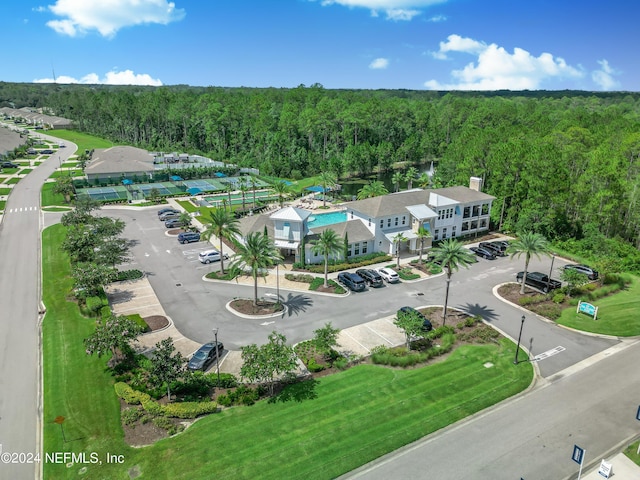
(553, 257)
(519, 337)
(215, 333)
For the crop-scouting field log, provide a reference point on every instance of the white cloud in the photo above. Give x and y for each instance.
(125, 77)
(394, 9)
(604, 77)
(379, 64)
(437, 19)
(107, 17)
(496, 69)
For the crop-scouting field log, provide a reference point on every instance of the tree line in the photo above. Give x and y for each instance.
(560, 163)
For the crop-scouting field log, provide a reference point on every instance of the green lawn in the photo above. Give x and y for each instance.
(338, 423)
(84, 141)
(5, 191)
(69, 165)
(3, 205)
(66, 173)
(49, 198)
(617, 314)
(13, 180)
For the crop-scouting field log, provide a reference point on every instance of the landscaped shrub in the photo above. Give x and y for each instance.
(532, 300)
(227, 380)
(129, 395)
(552, 311)
(242, 395)
(128, 275)
(189, 409)
(93, 304)
(135, 317)
(357, 262)
(341, 363)
(483, 334)
(105, 312)
(319, 282)
(299, 277)
(407, 274)
(440, 331)
(313, 366)
(558, 297)
(130, 416)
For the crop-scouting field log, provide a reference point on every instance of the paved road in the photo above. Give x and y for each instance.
(196, 306)
(20, 404)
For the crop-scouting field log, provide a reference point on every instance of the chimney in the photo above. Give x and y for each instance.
(475, 183)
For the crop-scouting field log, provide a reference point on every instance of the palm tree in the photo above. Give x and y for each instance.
(422, 235)
(329, 243)
(424, 180)
(228, 188)
(373, 189)
(224, 225)
(258, 252)
(254, 184)
(451, 254)
(185, 220)
(530, 244)
(327, 180)
(396, 179)
(282, 190)
(410, 176)
(397, 239)
(243, 191)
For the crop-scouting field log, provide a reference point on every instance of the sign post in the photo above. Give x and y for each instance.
(578, 457)
(587, 308)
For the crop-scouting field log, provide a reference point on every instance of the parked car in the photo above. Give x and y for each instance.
(389, 275)
(168, 216)
(588, 271)
(205, 356)
(209, 256)
(502, 244)
(188, 237)
(483, 252)
(162, 211)
(539, 280)
(47, 151)
(492, 247)
(371, 277)
(426, 324)
(352, 281)
(9, 165)
(173, 223)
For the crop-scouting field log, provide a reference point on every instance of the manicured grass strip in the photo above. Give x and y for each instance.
(83, 140)
(5, 191)
(3, 204)
(66, 173)
(13, 180)
(49, 198)
(617, 314)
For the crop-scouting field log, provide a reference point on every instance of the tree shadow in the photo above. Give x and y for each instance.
(485, 312)
(296, 303)
(304, 390)
(117, 296)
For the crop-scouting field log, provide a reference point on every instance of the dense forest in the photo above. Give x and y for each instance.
(565, 164)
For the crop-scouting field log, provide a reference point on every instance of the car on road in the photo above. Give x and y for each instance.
(483, 253)
(539, 280)
(47, 151)
(209, 256)
(169, 215)
(371, 277)
(352, 281)
(188, 237)
(588, 271)
(426, 324)
(173, 223)
(205, 356)
(389, 275)
(165, 210)
(9, 165)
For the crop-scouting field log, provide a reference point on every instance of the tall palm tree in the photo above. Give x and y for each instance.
(327, 180)
(329, 243)
(228, 188)
(396, 178)
(282, 190)
(224, 225)
(254, 184)
(397, 240)
(422, 235)
(243, 190)
(373, 189)
(451, 254)
(258, 252)
(410, 176)
(530, 244)
(424, 180)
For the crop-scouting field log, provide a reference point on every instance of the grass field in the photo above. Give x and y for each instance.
(338, 423)
(84, 141)
(617, 314)
(5, 191)
(48, 198)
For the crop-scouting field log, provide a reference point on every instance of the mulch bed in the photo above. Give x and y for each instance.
(156, 322)
(246, 307)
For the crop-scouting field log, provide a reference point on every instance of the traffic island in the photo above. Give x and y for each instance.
(247, 308)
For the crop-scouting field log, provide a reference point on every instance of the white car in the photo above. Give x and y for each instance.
(209, 256)
(389, 275)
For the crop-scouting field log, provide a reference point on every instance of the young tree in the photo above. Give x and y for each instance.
(81, 215)
(373, 189)
(574, 279)
(185, 220)
(327, 180)
(114, 335)
(410, 176)
(257, 252)
(326, 338)
(269, 361)
(224, 225)
(282, 190)
(451, 254)
(243, 191)
(411, 324)
(165, 366)
(422, 235)
(64, 186)
(397, 240)
(154, 195)
(328, 244)
(529, 244)
(396, 178)
(91, 276)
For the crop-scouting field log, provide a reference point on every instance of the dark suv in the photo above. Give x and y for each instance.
(371, 277)
(426, 324)
(492, 247)
(188, 237)
(205, 356)
(9, 165)
(352, 281)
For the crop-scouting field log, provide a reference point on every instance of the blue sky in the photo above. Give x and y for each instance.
(362, 44)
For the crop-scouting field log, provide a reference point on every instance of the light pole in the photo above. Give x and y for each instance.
(278, 281)
(215, 333)
(553, 257)
(519, 337)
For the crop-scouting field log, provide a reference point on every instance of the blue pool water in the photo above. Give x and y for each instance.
(322, 219)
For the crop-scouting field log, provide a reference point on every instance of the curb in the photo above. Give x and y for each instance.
(256, 317)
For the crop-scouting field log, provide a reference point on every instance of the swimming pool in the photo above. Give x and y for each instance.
(322, 219)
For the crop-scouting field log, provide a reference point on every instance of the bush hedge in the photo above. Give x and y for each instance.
(174, 410)
(133, 274)
(362, 261)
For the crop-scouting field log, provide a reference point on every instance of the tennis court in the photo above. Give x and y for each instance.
(160, 187)
(203, 185)
(104, 193)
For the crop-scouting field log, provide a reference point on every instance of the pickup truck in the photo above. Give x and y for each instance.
(539, 280)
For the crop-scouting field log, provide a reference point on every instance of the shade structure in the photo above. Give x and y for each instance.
(220, 175)
(194, 190)
(316, 189)
(126, 181)
(175, 178)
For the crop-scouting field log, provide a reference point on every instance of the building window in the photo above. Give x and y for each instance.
(369, 222)
(381, 223)
(356, 247)
(396, 222)
(444, 232)
(436, 234)
(485, 209)
(483, 223)
(389, 222)
(364, 247)
(474, 224)
(465, 226)
(404, 220)
(476, 210)
(467, 212)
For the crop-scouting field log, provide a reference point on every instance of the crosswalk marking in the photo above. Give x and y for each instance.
(21, 209)
(548, 353)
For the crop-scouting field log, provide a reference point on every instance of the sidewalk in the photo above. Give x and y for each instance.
(622, 468)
